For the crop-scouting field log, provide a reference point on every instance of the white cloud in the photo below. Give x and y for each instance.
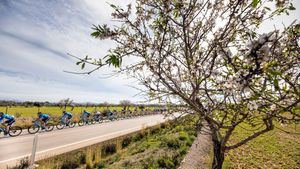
(35, 38)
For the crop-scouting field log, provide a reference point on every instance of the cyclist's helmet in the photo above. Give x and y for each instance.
(64, 112)
(39, 113)
(1, 113)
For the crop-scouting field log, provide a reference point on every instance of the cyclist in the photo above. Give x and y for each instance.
(85, 115)
(10, 120)
(111, 114)
(43, 118)
(66, 117)
(97, 114)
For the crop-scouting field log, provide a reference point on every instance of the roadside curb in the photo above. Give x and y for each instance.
(198, 154)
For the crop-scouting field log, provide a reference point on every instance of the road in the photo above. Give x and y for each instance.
(61, 141)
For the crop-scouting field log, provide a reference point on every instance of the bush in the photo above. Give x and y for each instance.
(24, 163)
(70, 164)
(82, 159)
(138, 137)
(126, 141)
(189, 142)
(108, 149)
(173, 143)
(149, 163)
(165, 162)
(101, 165)
(154, 130)
(183, 150)
(183, 136)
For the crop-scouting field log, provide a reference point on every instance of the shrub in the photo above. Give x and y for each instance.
(149, 163)
(138, 137)
(189, 142)
(173, 143)
(183, 136)
(101, 165)
(165, 162)
(183, 150)
(178, 128)
(70, 164)
(108, 149)
(154, 130)
(126, 141)
(23, 164)
(82, 159)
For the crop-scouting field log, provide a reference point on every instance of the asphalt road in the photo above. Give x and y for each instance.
(61, 141)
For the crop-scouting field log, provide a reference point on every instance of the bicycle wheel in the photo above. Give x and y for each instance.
(92, 121)
(15, 131)
(89, 122)
(81, 123)
(33, 129)
(60, 126)
(49, 127)
(71, 124)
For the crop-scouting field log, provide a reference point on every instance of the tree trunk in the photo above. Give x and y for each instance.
(218, 155)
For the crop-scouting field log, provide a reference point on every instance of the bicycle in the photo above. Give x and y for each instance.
(37, 125)
(84, 121)
(13, 131)
(111, 117)
(62, 124)
(97, 118)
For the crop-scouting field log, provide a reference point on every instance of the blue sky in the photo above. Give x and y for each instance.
(35, 37)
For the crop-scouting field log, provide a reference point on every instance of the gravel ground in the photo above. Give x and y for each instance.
(198, 155)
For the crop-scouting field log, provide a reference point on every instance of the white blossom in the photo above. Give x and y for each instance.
(273, 107)
(252, 105)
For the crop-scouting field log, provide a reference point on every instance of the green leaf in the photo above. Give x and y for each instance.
(255, 3)
(83, 65)
(77, 63)
(276, 84)
(114, 59)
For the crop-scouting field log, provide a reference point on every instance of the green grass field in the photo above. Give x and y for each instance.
(275, 149)
(25, 115)
(54, 111)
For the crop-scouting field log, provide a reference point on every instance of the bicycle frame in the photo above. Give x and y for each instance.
(37, 123)
(2, 129)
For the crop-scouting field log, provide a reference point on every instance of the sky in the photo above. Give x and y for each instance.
(35, 37)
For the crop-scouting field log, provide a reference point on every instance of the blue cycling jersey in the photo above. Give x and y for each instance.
(6, 116)
(86, 113)
(44, 116)
(68, 114)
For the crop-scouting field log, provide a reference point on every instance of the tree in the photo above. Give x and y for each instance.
(125, 104)
(66, 102)
(209, 56)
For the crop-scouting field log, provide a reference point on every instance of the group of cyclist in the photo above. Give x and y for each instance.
(8, 120)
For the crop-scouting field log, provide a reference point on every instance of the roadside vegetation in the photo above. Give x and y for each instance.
(162, 146)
